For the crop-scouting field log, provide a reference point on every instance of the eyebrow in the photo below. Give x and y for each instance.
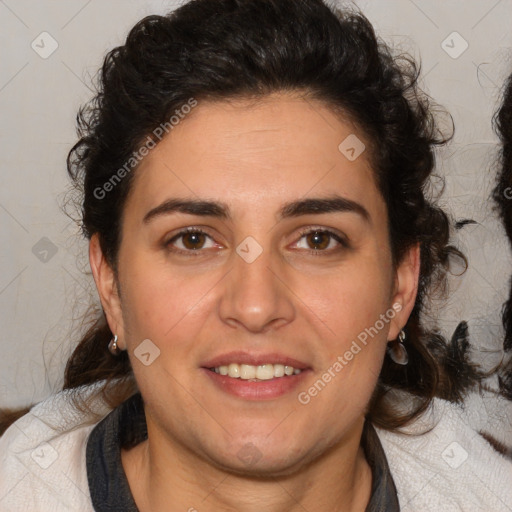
(220, 210)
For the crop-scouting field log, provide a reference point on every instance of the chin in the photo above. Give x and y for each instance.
(264, 469)
(260, 460)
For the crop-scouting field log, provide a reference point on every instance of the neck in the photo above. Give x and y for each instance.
(161, 472)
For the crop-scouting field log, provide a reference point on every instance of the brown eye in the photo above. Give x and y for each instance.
(190, 241)
(193, 240)
(318, 239)
(323, 241)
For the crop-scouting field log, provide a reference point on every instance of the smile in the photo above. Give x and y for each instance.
(256, 373)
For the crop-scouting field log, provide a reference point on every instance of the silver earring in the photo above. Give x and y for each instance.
(397, 351)
(112, 346)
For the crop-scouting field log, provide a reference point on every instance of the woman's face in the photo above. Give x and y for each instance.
(253, 286)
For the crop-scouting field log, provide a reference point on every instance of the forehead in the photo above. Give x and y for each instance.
(255, 154)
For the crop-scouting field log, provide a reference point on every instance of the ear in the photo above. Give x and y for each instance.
(405, 289)
(106, 285)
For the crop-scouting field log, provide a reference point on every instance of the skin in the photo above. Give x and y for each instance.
(254, 157)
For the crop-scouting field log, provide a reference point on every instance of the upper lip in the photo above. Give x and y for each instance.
(253, 359)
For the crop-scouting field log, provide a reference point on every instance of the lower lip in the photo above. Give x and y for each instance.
(261, 390)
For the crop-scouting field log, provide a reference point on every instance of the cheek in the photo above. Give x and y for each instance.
(159, 303)
(350, 300)
(352, 351)
(354, 306)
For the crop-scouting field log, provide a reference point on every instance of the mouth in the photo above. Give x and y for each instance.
(255, 377)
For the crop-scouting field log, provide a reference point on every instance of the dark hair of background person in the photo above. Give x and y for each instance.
(228, 49)
(503, 197)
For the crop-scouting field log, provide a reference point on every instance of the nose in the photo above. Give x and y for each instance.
(256, 295)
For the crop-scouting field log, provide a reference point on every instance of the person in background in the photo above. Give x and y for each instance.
(503, 198)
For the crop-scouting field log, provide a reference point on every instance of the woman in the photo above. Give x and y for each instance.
(253, 176)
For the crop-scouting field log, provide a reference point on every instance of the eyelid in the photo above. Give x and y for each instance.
(323, 229)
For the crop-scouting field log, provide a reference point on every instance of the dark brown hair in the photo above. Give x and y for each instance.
(247, 49)
(503, 197)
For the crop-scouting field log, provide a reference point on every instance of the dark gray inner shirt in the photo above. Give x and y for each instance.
(125, 427)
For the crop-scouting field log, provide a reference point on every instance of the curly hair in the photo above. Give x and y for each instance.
(503, 198)
(229, 49)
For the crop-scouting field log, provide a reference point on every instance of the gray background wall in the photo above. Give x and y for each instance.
(44, 285)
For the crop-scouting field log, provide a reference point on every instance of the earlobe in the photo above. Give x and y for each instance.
(406, 289)
(106, 285)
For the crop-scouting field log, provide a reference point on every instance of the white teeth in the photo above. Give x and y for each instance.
(265, 372)
(279, 370)
(234, 370)
(260, 372)
(247, 372)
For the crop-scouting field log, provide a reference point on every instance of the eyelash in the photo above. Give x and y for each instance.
(314, 252)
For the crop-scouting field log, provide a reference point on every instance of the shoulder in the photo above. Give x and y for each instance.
(450, 467)
(42, 455)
